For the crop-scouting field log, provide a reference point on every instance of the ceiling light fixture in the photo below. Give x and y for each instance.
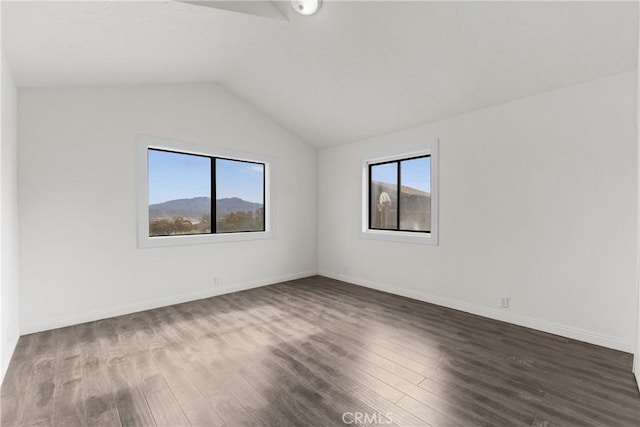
(306, 7)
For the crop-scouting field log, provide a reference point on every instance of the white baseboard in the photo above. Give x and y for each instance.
(636, 367)
(528, 322)
(6, 358)
(76, 319)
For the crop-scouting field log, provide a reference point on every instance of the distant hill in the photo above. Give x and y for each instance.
(235, 204)
(198, 206)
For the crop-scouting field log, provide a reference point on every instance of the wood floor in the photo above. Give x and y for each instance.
(313, 352)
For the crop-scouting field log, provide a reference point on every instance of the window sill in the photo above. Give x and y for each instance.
(400, 236)
(168, 241)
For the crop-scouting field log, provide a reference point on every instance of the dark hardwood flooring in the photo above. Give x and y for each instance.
(313, 352)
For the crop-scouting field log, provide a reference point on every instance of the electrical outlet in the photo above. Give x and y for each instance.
(504, 302)
(216, 281)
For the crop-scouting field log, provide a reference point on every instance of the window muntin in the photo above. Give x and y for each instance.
(192, 181)
(411, 212)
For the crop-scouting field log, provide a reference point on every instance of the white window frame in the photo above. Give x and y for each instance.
(427, 148)
(146, 142)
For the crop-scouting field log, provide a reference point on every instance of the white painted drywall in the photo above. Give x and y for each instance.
(537, 203)
(636, 358)
(77, 165)
(9, 220)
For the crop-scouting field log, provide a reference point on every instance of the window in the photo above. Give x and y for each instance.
(400, 196)
(408, 209)
(196, 194)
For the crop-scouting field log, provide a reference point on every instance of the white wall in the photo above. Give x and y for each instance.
(8, 220)
(79, 259)
(537, 202)
(636, 359)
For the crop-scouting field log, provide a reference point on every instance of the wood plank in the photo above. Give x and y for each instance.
(194, 404)
(11, 408)
(38, 399)
(164, 407)
(69, 405)
(14, 389)
(133, 409)
(99, 393)
(427, 413)
(231, 411)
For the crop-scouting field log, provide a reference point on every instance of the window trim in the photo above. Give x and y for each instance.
(427, 148)
(146, 142)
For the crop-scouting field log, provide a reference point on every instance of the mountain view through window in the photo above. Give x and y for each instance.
(182, 186)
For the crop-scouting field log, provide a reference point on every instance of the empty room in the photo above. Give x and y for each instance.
(319, 213)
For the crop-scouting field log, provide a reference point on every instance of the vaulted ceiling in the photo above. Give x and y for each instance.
(353, 70)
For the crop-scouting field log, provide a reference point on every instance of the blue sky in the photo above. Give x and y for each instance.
(239, 179)
(183, 176)
(416, 173)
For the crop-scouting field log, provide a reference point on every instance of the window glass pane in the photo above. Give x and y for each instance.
(239, 196)
(384, 196)
(179, 193)
(415, 194)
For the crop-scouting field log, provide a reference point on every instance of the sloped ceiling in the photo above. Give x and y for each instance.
(353, 70)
